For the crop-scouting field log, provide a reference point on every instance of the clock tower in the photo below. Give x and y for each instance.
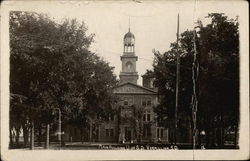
(128, 73)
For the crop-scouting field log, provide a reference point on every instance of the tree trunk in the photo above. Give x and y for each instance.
(17, 135)
(137, 130)
(47, 137)
(221, 131)
(32, 136)
(90, 131)
(118, 133)
(11, 137)
(190, 134)
(39, 134)
(199, 138)
(25, 135)
(207, 137)
(81, 131)
(222, 137)
(172, 135)
(140, 131)
(213, 137)
(119, 124)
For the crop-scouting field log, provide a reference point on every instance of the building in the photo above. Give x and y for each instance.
(136, 120)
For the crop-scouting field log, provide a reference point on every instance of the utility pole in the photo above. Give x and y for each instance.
(32, 136)
(195, 73)
(59, 126)
(177, 79)
(47, 136)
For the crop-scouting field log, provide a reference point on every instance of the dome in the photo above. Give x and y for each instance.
(129, 35)
(129, 39)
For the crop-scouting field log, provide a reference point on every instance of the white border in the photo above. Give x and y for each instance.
(37, 155)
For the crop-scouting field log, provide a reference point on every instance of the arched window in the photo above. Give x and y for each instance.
(129, 66)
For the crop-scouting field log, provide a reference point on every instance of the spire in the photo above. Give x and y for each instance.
(129, 34)
(129, 23)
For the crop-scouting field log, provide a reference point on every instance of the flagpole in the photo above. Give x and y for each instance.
(195, 73)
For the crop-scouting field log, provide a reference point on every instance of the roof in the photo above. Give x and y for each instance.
(129, 35)
(148, 74)
(137, 86)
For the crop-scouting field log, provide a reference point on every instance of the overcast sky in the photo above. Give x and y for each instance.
(154, 24)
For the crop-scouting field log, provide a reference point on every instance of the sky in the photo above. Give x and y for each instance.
(154, 24)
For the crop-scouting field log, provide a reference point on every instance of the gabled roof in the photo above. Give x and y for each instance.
(128, 87)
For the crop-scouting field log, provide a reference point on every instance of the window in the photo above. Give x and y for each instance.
(109, 132)
(160, 132)
(128, 101)
(152, 83)
(146, 116)
(149, 102)
(146, 102)
(149, 131)
(127, 113)
(146, 130)
(129, 66)
(125, 101)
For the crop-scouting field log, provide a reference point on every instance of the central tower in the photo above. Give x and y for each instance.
(128, 73)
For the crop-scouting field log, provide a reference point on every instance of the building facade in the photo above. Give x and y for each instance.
(135, 120)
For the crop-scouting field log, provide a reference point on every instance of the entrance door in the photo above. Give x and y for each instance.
(127, 134)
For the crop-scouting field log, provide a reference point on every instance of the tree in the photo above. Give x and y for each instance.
(164, 69)
(218, 79)
(219, 59)
(51, 65)
(138, 111)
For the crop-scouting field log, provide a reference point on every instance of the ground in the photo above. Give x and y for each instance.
(116, 146)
